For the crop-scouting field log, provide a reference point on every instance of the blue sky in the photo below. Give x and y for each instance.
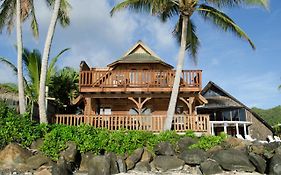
(251, 76)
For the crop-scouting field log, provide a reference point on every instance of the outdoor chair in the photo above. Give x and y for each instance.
(270, 138)
(277, 139)
(248, 137)
(239, 136)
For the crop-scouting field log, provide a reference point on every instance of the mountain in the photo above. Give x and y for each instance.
(272, 116)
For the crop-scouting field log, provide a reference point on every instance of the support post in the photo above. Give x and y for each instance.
(237, 128)
(212, 129)
(245, 129)
(225, 128)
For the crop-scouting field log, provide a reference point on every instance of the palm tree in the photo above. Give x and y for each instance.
(185, 29)
(61, 12)
(21, 10)
(64, 87)
(32, 65)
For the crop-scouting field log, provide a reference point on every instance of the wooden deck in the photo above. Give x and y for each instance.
(138, 81)
(153, 123)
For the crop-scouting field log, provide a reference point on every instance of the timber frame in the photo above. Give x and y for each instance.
(133, 92)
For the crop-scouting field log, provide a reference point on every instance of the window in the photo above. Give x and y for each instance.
(105, 111)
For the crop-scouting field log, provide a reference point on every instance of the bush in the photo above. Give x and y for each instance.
(207, 142)
(17, 128)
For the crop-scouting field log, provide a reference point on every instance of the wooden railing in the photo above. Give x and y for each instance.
(154, 123)
(138, 78)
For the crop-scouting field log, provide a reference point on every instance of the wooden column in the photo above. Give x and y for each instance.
(89, 106)
(139, 103)
(189, 103)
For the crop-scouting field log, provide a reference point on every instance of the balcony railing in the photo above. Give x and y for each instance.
(138, 78)
(153, 123)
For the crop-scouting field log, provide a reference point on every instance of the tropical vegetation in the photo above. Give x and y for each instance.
(32, 65)
(185, 29)
(20, 11)
(60, 12)
(16, 129)
(272, 116)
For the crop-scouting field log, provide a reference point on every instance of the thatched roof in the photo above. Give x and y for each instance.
(140, 53)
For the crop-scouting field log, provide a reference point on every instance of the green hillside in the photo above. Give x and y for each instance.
(272, 116)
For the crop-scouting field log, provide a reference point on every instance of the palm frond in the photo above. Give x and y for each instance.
(161, 8)
(235, 3)
(192, 41)
(52, 69)
(7, 15)
(34, 23)
(222, 21)
(9, 64)
(64, 11)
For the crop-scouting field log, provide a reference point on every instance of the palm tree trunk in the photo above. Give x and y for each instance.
(175, 91)
(20, 70)
(44, 66)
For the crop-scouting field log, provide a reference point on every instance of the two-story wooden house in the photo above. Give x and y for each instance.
(133, 92)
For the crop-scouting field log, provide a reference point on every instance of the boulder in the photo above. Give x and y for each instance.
(164, 148)
(185, 142)
(63, 167)
(236, 143)
(99, 165)
(36, 161)
(193, 156)
(134, 158)
(257, 148)
(70, 154)
(234, 160)
(121, 164)
(210, 166)
(275, 165)
(37, 144)
(164, 163)
(85, 158)
(213, 150)
(258, 162)
(278, 150)
(13, 156)
(143, 166)
(113, 163)
(146, 156)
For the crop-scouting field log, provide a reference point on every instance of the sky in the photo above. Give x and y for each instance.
(251, 76)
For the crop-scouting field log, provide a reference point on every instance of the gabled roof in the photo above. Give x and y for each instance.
(212, 86)
(140, 53)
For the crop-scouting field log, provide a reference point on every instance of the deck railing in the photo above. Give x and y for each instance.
(154, 123)
(138, 78)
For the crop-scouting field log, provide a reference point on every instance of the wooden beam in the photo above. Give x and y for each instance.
(139, 103)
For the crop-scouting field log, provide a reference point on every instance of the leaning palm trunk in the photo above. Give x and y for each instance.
(48, 43)
(20, 70)
(174, 95)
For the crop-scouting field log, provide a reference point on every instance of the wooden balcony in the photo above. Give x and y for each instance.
(153, 123)
(138, 81)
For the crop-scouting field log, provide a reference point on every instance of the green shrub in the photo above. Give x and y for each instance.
(207, 142)
(190, 133)
(17, 128)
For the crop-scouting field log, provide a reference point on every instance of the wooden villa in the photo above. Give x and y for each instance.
(133, 92)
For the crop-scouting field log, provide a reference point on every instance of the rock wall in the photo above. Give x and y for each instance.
(233, 155)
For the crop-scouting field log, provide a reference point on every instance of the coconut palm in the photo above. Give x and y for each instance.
(18, 10)
(185, 29)
(32, 65)
(61, 12)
